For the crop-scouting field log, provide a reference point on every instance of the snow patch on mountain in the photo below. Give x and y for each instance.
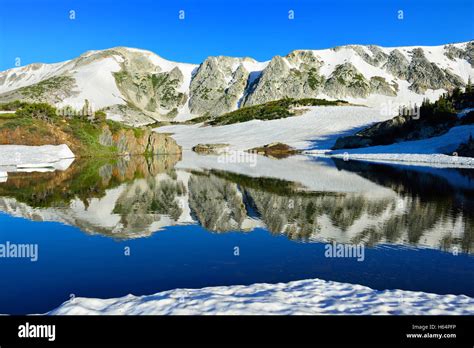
(28, 75)
(96, 83)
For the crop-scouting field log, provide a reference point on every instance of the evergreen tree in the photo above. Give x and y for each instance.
(100, 116)
(456, 93)
(86, 109)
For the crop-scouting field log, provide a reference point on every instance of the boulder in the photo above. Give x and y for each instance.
(210, 149)
(276, 150)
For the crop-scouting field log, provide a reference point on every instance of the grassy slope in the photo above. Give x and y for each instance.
(80, 135)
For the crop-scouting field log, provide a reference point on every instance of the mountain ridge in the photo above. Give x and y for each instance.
(137, 86)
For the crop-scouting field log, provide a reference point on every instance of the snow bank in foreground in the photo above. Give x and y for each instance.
(22, 156)
(312, 296)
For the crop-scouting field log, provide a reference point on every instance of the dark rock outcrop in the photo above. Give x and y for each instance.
(370, 136)
(466, 149)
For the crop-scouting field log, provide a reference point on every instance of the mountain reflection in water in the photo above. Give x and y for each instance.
(137, 196)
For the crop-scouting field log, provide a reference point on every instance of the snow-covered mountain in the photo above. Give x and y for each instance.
(138, 87)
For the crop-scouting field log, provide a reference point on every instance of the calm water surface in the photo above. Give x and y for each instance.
(142, 225)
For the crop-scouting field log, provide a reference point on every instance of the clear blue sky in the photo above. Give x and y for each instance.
(41, 31)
